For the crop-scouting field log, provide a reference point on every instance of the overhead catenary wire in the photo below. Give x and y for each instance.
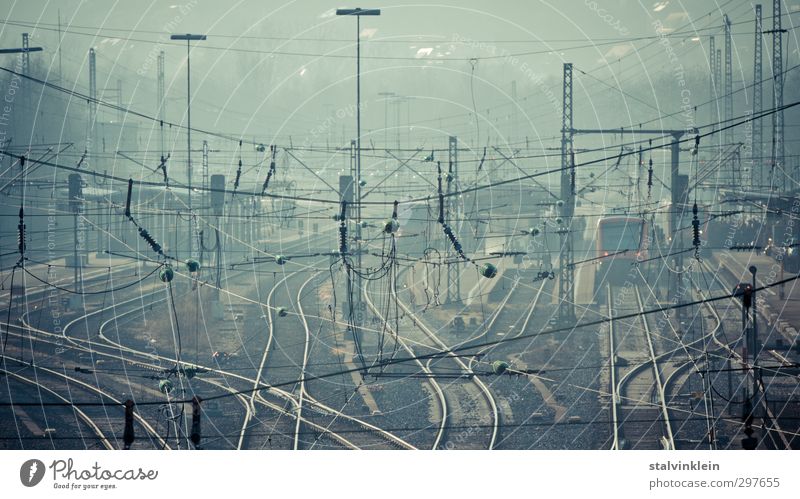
(457, 192)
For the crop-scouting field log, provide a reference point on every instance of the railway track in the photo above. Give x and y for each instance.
(75, 412)
(70, 383)
(461, 394)
(640, 389)
(771, 426)
(335, 417)
(250, 412)
(424, 367)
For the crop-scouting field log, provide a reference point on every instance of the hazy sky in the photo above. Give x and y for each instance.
(289, 66)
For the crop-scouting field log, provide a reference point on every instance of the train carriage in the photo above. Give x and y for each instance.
(621, 241)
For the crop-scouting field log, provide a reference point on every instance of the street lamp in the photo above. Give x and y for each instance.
(358, 12)
(189, 38)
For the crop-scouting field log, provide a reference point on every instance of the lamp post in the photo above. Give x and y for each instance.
(358, 12)
(189, 38)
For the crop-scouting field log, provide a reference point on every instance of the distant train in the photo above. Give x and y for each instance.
(621, 241)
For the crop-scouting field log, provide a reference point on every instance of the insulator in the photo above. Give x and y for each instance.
(572, 172)
(343, 229)
(282, 312)
(266, 182)
(499, 366)
(166, 274)
(149, 239)
(394, 210)
(452, 237)
(21, 232)
(391, 226)
(192, 265)
(165, 386)
(280, 259)
(488, 271)
(695, 228)
(238, 176)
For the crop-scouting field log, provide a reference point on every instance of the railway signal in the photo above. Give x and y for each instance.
(196, 414)
(128, 435)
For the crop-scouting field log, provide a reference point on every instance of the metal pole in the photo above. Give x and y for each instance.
(189, 37)
(358, 148)
(75, 251)
(756, 153)
(189, 138)
(754, 333)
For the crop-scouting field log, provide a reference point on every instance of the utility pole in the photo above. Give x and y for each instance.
(386, 96)
(24, 50)
(91, 140)
(757, 137)
(92, 101)
(189, 38)
(205, 171)
(718, 80)
(75, 190)
(120, 115)
(777, 94)
(26, 98)
(454, 268)
(728, 92)
(566, 307)
(162, 102)
(754, 333)
(515, 112)
(712, 79)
